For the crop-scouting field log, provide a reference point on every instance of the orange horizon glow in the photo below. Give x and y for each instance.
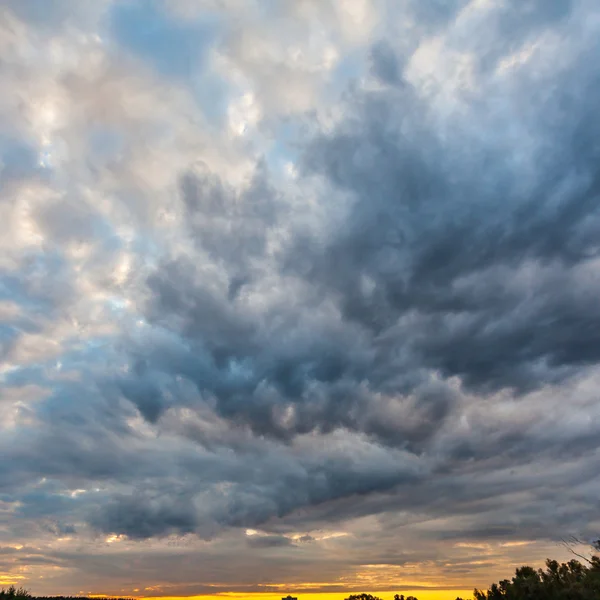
(421, 594)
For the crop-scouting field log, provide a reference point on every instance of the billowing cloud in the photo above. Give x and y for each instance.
(311, 284)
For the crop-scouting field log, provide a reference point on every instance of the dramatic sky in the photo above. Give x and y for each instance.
(296, 295)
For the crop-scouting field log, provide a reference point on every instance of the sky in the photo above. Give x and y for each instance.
(297, 296)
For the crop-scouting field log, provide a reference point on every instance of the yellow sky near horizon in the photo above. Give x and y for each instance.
(421, 594)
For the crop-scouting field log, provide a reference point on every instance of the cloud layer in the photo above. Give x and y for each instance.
(306, 284)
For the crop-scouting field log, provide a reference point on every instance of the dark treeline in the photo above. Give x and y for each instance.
(567, 581)
(14, 593)
(573, 580)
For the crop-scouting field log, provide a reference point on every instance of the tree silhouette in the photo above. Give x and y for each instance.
(14, 593)
(559, 581)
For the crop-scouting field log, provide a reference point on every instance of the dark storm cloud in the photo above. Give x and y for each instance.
(139, 518)
(489, 278)
(384, 63)
(228, 225)
(405, 331)
(475, 278)
(259, 487)
(269, 541)
(322, 376)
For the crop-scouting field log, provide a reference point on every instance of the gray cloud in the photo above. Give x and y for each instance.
(474, 277)
(269, 541)
(138, 517)
(386, 329)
